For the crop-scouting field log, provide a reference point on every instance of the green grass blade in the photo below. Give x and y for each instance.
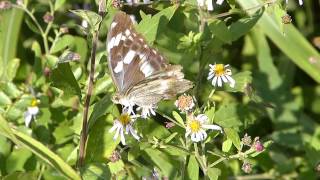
(290, 41)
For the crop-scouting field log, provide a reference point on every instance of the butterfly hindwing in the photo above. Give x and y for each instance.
(130, 58)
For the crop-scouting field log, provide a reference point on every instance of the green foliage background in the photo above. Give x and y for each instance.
(276, 98)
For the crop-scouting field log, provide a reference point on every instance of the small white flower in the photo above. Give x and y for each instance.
(147, 111)
(197, 126)
(300, 2)
(84, 23)
(127, 105)
(209, 5)
(31, 112)
(184, 103)
(219, 2)
(124, 124)
(219, 73)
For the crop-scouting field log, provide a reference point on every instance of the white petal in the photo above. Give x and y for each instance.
(300, 2)
(202, 118)
(187, 132)
(200, 2)
(213, 127)
(219, 81)
(27, 118)
(112, 128)
(115, 137)
(210, 75)
(209, 5)
(220, 2)
(214, 81)
(224, 79)
(33, 110)
(134, 133)
(231, 80)
(204, 134)
(123, 140)
(193, 137)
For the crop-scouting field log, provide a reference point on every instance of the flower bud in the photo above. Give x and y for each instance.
(47, 18)
(246, 140)
(4, 5)
(246, 167)
(115, 156)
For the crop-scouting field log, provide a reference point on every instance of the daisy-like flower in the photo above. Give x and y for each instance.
(219, 73)
(197, 126)
(124, 124)
(300, 2)
(208, 3)
(31, 112)
(147, 111)
(184, 103)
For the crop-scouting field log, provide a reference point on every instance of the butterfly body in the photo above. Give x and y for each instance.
(142, 76)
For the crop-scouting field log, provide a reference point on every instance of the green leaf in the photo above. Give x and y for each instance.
(46, 154)
(236, 29)
(291, 42)
(5, 130)
(178, 118)
(62, 43)
(13, 66)
(242, 79)
(63, 78)
(96, 171)
(193, 168)
(227, 116)
(91, 17)
(214, 173)
(4, 99)
(9, 33)
(100, 144)
(22, 175)
(17, 160)
(226, 145)
(233, 136)
(58, 4)
(150, 27)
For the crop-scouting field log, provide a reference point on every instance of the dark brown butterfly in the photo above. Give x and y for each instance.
(142, 76)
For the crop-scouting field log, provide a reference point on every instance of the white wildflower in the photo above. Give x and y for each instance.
(197, 126)
(219, 73)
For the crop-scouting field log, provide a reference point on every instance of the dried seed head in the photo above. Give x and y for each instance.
(116, 4)
(246, 140)
(185, 103)
(286, 19)
(115, 156)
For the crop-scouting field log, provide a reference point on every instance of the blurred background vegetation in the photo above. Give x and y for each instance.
(277, 96)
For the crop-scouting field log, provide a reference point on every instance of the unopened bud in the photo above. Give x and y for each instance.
(246, 167)
(4, 5)
(257, 145)
(169, 125)
(64, 29)
(47, 18)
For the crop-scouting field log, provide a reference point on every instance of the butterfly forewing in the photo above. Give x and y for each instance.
(130, 58)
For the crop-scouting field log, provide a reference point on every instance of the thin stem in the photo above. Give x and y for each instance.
(43, 35)
(84, 132)
(254, 176)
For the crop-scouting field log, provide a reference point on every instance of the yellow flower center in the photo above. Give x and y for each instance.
(194, 125)
(219, 69)
(34, 102)
(124, 119)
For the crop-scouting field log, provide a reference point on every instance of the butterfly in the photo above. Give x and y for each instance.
(141, 75)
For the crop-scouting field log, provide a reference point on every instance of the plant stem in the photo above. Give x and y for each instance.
(84, 132)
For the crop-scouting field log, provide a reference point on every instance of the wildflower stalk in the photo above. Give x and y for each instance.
(84, 131)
